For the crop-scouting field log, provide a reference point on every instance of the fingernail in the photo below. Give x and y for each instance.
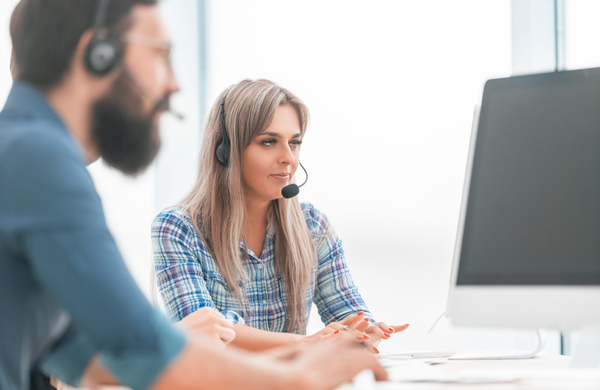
(336, 332)
(386, 334)
(365, 319)
(391, 329)
(360, 313)
(376, 350)
(366, 337)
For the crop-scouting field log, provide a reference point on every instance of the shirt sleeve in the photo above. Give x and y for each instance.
(60, 229)
(336, 296)
(178, 254)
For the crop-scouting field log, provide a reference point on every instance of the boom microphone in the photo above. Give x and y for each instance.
(292, 190)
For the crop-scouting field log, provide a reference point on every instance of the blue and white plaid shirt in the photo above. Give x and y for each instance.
(189, 279)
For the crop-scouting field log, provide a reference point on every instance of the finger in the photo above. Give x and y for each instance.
(385, 327)
(362, 326)
(377, 333)
(226, 335)
(400, 328)
(352, 318)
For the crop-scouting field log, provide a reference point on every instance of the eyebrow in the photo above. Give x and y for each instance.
(277, 135)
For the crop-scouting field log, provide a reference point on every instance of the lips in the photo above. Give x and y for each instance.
(281, 176)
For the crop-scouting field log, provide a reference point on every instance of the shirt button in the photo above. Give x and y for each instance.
(265, 303)
(260, 266)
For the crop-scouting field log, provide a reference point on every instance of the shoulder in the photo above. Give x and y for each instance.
(317, 221)
(173, 220)
(44, 177)
(36, 140)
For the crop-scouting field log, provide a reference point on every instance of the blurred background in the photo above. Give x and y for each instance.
(391, 86)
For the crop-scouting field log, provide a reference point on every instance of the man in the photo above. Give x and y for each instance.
(68, 306)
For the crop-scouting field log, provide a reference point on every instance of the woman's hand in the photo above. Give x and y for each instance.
(354, 325)
(209, 322)
(376, 331)
(382, 331)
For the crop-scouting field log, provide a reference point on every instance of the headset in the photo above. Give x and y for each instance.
(223, 151)
(102, 54)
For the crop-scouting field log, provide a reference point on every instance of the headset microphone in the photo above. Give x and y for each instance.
(292, 190)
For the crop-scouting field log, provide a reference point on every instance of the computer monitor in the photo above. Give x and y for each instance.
(528, 244)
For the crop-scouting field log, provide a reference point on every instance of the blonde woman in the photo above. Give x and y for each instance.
(236, 245)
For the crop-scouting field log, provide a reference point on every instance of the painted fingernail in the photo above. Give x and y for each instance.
(360, 313)
(365, 319)
(386, 334)
(376, 350)
(366, 337)
(336, 332)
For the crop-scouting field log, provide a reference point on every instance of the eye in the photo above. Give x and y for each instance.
(296, 144)
(268, 141)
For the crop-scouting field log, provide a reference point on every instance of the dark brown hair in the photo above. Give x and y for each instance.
(45, 34)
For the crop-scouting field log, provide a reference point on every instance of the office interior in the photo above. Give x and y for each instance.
(391, 87)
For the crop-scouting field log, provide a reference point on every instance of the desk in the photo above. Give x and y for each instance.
(547, 372)
(539, 372)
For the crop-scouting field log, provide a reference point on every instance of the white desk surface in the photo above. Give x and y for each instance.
(539, 372)
(548, 372)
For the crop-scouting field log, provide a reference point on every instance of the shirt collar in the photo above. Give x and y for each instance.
(270, 233)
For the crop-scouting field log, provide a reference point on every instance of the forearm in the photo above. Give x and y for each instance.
(252, 339)
(204, 365)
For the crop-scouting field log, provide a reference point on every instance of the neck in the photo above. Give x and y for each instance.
(256, 214)
(74, 106)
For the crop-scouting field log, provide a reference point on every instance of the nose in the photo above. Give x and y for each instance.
(172, 84)
(287, 156)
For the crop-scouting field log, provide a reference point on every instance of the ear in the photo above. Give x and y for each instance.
(78, 70)
(78, 59)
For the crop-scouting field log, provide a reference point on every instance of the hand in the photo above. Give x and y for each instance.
(209, 322)
(354, 325)
(324, 365)
(381, 331)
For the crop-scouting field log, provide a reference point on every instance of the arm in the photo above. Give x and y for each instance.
(336, 296)
(258, 340)
(179, 260)
(62, 237)
(317, 367)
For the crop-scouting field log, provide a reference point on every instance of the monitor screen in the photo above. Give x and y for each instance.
(533, 211)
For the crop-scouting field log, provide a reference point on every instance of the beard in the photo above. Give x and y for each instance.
(127, 139)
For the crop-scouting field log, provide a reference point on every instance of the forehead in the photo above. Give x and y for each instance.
(149, 20)
(285, 120)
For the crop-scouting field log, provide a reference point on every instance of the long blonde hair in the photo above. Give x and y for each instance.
(216, 203)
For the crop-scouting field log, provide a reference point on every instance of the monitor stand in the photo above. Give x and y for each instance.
(541, 342)
(587, 351)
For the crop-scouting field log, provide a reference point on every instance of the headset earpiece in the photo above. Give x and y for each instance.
(101, 55)
(223, 150)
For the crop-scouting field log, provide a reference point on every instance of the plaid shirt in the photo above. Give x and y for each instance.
(189, 279)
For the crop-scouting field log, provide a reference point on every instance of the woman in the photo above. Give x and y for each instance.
(236, 245)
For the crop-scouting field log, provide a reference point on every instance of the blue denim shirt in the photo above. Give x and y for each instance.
(65, 292)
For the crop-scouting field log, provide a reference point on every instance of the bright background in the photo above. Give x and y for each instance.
(391, 86)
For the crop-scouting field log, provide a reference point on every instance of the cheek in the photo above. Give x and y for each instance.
(252, 167)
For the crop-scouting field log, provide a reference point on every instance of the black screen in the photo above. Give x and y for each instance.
(533, 212)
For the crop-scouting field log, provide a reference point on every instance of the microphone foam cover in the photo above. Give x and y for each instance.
(290, 191)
